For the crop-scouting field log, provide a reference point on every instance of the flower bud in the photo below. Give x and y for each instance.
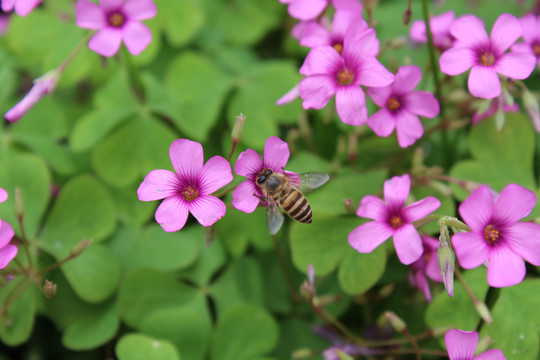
(238, 127)
(302, 354)
(499, 119)
(532, 109)
(349, 207)
(446, 259)
(343, 356)
(311, 274)
(407, 17)
(80, 247)
(49, 289)
(484, 312)
(396, 322)
(19, 206)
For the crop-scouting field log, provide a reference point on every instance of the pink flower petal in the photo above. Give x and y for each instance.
(136, 36)
(477, 209)
(470, 31)
(307, 9)
(455, 61)
(505, 268)
(422, 103)
(493, 354)
(321, 60)
(25, 7)
(505, 32)
(106, 41)
(516, 65)
(290, 96)
(314, 34)
(432, 269)
(372, 207)
(7, 5)
(373, 73)
(408, 128)
(3, 195)
(461, 344)
(484, 82)
(7, 253)
(366, 237)
(396, 191)
(522, 47)
(524, 239)
(207, 209)
(530, 27)
(276, 153)
(513, 204)
(187, 158)
(342, 19)
(6, 233)
(172, 214)
(420, 209)
(353, 5)
(407, 78)
(244, 198)
(38, 90)
(111, 5)
(317, 90)
(139, 9)
(471, 249)
(440, 24)
(423, 285)
(158, 184)
(408, 244)
(418, 31)
(382, 123)
(249, 163)
(89, 15)
(215, 174)
(351, 105)
(380, 95)
(359, 43)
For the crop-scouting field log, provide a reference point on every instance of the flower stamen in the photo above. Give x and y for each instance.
(393, 104)
(491, 234)
(396, 222)
(536, 49)
(116, 19)
(345, 77)
(190, 194)
(338, 47)
(487, 58)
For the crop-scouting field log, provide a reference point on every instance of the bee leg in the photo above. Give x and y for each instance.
(262, 198)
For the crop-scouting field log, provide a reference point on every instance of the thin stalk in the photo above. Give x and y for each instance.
(284, 269)
(73, 53)
(480, 307)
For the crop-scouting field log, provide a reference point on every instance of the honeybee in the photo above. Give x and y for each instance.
(286, 190)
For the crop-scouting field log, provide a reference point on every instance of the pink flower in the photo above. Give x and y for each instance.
(249, 164)
(116, 20)
(461, 345)
(309, 9)
(440, 30)
(22, 7)
(391, 218)
(493, 108)
(426, 265)
(401, 107)
(328, 73)
(486, 55)
(496, 236)
(189, 189)
(42, 86)
(7, 250)
(531, 34)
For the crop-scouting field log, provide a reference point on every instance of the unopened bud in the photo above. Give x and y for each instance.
(311, 274)
(499, 119)
(484, 343)
(49, 289)
(209, 235)
(352, 147)
(531, 107)
(370, 5)
(446, 259)
(302, 354)
(407, 16)
(484, 312)
(307, 291)
(80, 247)
(19, 206)
(508, 98)
(349, 207)
(396, 322)
(238, 127)
(386, 290)
(343, 356)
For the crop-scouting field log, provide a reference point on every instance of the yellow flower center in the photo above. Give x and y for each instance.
(190, 194)
(393, 104)
(338, 47)
(345, 77)
(491, 234)
(116, 19)
(536, 49)
(487, 58)
(396, 222)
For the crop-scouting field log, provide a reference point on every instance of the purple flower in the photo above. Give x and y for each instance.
(21, 7)
(116, 20)
(401, 107)
(328, 73)
(189, 189)
(486, 55)
(531, 37)
(249, 164)
(426, 265)
(496, 236)
(461, 345)
(391, 218)
(7, 250)
(440, 30)
(306, 10)
(493, 108)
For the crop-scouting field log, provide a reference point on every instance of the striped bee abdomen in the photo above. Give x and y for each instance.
(295, 205)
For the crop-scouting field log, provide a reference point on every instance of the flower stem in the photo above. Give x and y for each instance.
(283, 266)
(73, 53)
(480, 307)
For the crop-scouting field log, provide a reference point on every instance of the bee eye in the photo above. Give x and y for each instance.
(260, 180)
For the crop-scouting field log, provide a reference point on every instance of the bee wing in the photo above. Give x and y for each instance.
(308, 181)
(274, 218)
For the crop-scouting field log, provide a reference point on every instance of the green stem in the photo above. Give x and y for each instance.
(74, 52)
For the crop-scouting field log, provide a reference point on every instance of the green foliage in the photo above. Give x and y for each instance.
(141, 347)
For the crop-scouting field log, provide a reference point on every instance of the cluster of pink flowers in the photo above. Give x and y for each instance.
(7, 251)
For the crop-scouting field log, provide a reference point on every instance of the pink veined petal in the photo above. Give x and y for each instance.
(418, 31)
(89, 15)
(7, 253)
(158, 184)
(513, 204)
(470, 31)
(314, 34)
(6, 233)
(461, 344)
(136, 36)
(422, 103)
(348, 4)
(322, 59)
(3, 195)
(396, 191)
(408, 244)
(307, 9)
(366, 237)
(383, 122)
(483, 82)
(207, 209)
(407, 78)
(420, 209)
(249, 163)
(440, 24)
(505, 268)
(408, 128)
(244, 198)
(516, 65)
(372, 207)
(276, 153)
(380, 95)
(373, 73)
(139, 9)
(522, 47)
(505, 32)
(187, 158)
(110, 5)
(215, 174)
(342, 19)
(106, 41)
(38, 90)
(493, 354)
(477, 209)
(524, 239)
(433, 270)
(359, 42)
(290, 96)
(317, 90)
(471, 249)
(530, 27)
(351, 105)
(423, 285)
(455, 61)
(172, 214)
(7, 5)
(24, 7)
